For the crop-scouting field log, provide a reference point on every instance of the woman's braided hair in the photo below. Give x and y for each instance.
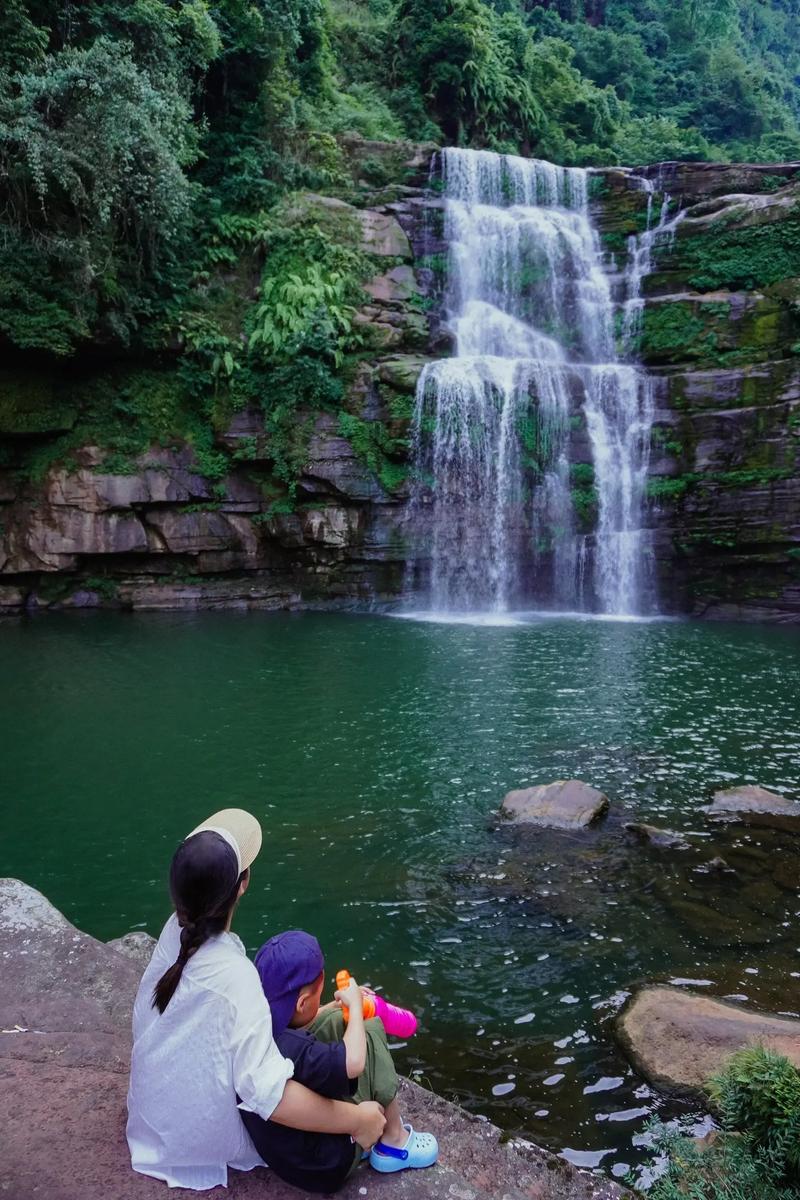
(204, 883)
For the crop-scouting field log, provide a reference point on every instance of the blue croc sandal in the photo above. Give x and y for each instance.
(421, 1150)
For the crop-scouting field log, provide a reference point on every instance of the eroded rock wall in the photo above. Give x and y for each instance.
(721, 334)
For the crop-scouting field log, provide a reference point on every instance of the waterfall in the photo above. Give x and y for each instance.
(534, 389)
(640, 259)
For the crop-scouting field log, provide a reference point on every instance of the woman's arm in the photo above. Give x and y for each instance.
(302, 1109)
(261, 1076)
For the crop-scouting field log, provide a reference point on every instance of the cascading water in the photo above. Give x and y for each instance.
(531, 312)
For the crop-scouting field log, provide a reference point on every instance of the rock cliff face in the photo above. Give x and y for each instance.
(720, 333)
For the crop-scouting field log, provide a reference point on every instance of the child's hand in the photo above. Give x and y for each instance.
(350, 996)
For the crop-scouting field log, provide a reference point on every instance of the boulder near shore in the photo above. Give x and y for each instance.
(65, 1012)
(678, 1039)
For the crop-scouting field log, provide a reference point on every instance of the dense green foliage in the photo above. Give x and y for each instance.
(758, 1098)
(132, 135)
(759, 1094)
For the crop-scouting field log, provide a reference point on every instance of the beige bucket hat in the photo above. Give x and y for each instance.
(241, 831)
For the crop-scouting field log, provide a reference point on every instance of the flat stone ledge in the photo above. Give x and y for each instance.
(564, 804)
(678, 1039)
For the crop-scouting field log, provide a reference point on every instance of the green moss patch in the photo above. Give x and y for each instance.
(380, 452)
(747, 257)
(32, 404)
(715, 332)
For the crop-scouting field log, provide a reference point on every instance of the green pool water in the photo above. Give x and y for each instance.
(375, 752)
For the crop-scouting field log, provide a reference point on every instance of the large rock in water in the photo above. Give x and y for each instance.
(65, 1010)
(678, 1039)
(565, 804)
(752, 799)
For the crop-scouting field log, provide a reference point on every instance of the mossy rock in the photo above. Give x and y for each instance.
(30, 404)
(743, 246)
(619, 206)
(755, 386)
(717, 329)
(402, 373)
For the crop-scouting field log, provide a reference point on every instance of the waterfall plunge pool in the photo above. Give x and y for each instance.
(375, 752)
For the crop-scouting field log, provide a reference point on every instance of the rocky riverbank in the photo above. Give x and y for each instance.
(65, 1010)
(202, 519)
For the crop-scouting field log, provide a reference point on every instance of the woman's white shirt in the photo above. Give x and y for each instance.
(213, 1041)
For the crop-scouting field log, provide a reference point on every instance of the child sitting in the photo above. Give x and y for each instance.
(351, 1062)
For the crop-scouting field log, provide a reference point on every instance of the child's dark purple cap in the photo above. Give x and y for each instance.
(286, 963)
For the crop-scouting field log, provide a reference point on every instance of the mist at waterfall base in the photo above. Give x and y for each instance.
(375, 753)
(535, 407)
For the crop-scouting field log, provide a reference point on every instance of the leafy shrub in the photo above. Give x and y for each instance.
(94, 193)
(728, 1170)
(758, 1094)
(758, 1158)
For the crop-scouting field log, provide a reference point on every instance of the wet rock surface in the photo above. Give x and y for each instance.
(565, 804)
(752, 799)
(679, 1039)
(65, 1009)
(662, 839)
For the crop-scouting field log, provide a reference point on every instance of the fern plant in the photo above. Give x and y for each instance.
(310, 303)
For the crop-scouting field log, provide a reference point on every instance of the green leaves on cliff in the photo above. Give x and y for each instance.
(310, 288)
(301, 310)
(95, 196)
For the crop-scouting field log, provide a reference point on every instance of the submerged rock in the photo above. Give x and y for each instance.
(663, 839)
(736, 926)
(679, 1039)
(564, 804)
(752, 799)
(65, 1018)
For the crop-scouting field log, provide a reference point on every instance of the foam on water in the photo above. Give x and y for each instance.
(521, 617)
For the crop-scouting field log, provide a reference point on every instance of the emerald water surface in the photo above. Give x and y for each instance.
(375, 751)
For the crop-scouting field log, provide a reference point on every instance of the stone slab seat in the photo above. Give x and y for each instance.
(64, 1078)
(678, 1039)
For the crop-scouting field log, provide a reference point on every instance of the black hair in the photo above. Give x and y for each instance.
(204, 884)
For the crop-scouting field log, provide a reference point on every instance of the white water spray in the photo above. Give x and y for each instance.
(531, 312)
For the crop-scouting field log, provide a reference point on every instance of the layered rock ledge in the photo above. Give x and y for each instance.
(65, 1011)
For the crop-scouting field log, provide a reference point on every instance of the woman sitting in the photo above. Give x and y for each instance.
(202, 1032)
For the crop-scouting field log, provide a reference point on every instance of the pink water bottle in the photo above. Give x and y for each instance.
(399, 1022)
